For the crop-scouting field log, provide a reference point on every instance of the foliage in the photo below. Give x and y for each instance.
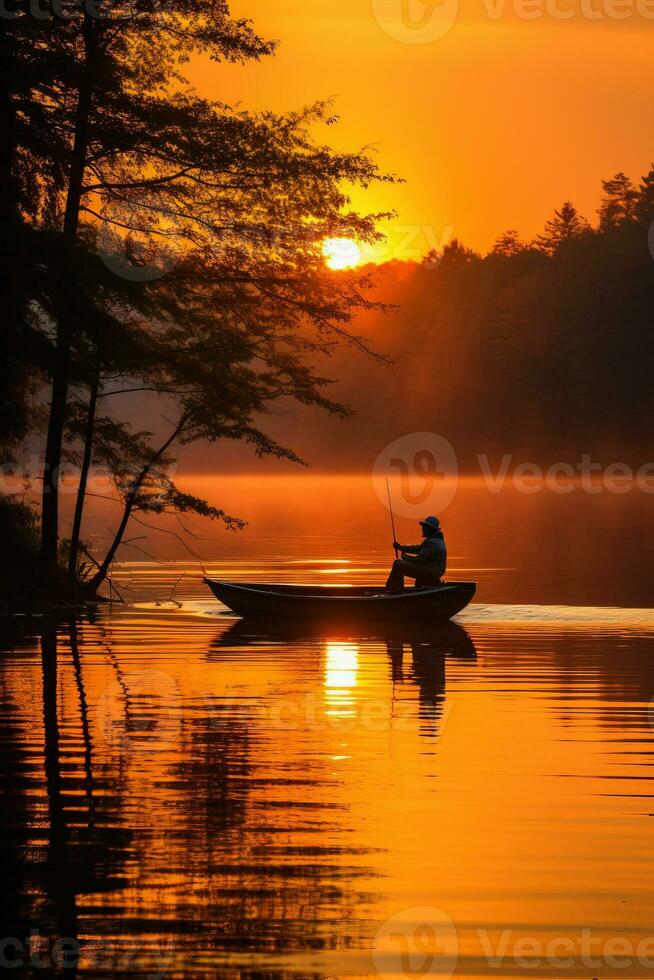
(508, 243)
(19, 528)
(179, 243)
(620, 202)
(567, 224)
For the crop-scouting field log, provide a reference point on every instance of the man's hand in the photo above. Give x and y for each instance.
(398, 546)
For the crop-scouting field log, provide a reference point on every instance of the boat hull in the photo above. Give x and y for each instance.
(294, 602)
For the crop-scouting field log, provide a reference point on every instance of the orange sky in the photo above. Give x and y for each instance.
(492, 125)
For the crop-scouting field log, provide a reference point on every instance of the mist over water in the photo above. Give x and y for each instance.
(536, 548)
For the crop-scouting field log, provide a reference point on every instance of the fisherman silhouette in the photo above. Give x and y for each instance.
(424, 562)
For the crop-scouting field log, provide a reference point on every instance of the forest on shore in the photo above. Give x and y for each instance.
(541, 349)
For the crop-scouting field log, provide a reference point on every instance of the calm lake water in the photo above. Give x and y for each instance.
(184, 795)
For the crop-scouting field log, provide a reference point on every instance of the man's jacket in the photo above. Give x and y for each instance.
(431, 553)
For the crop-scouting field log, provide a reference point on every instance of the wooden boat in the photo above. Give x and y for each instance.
(349, 603)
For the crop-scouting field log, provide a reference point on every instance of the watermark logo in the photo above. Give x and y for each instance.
(56, 955)
(566, 10)
(141, 255)
(415, 21)
(416, 942)
(587, 950)
(109, 10)
(140, 712)
(424, 942)
(425, 21)
(310, 713)
(586, 475)
(410, 243)
(18, 477)
(422, 471)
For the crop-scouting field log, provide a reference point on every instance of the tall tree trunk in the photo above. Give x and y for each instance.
(8, 133)
(83, 479)
(12, 397)
(61, 369)
(94, 584)
(53, 450)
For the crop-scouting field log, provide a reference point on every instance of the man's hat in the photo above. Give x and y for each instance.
(431, 522)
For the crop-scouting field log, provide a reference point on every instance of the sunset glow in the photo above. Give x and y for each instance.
(341, 253)
(325, 428)
(507, 68)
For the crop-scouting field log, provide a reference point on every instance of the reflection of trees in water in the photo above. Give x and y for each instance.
(192, 849)
(15, 816)
(70, 847)
(251, 843)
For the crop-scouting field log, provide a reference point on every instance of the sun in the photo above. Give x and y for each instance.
(341, 253)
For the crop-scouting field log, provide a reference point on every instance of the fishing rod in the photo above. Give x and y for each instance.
(390, 509)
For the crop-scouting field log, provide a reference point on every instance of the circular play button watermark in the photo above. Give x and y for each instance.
(416, 942)
(140, 712)
(416, 21)
(422, 473)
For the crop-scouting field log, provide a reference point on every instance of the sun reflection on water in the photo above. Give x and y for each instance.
(341, 667)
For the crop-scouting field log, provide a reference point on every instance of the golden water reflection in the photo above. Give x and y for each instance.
(196, 796)
(341, 664)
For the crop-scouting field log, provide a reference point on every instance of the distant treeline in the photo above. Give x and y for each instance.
(543, 349)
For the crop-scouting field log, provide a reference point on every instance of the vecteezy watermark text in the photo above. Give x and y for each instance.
(586, 948)
(309, 713)
(418, 22)
(587, 475)
(17, 477)
(425, 942)
(67, 9)
(56, 954)
(424, 471)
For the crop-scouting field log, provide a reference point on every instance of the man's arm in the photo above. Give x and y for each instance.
(424, 553)
(408, 549)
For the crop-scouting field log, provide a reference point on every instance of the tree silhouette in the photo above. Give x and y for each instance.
(645, 203)
(185, 240)
(508, 243)
(566, 224)
(619, 202)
